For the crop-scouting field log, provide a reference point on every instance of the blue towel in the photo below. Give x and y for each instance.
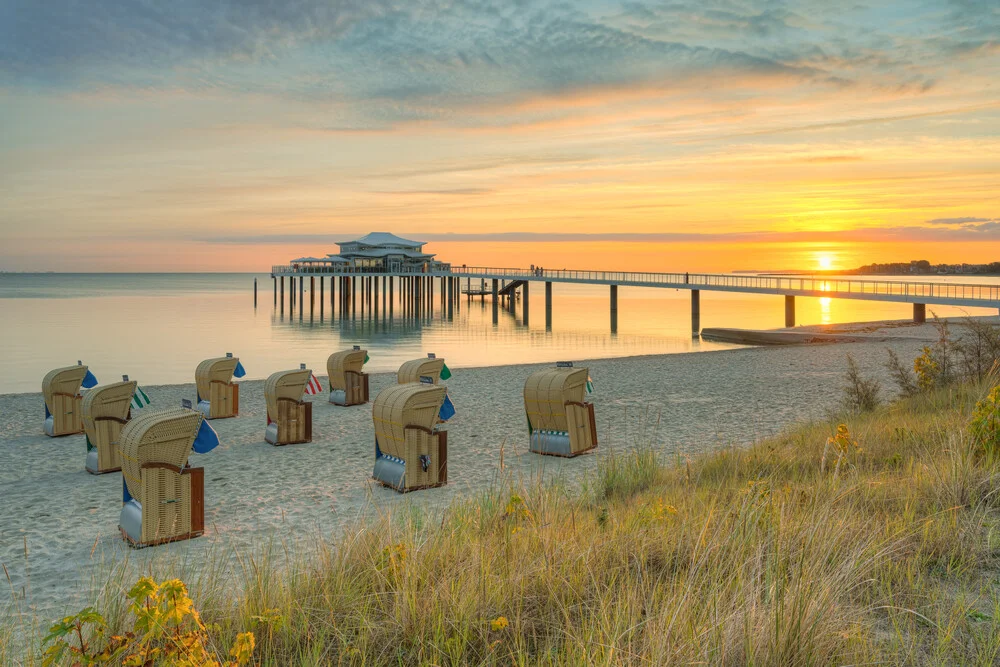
(89, 380)
(239, 372)
(126, 496)
(447, 409)
(207, 439)
(47, 413)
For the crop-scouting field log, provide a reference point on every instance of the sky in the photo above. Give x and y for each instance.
(218, 135)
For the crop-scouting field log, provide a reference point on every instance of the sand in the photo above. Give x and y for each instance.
(58, 527)
(855, 332)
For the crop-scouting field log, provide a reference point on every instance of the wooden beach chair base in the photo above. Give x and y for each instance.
(223, 401)
(293, 426)
(405, 475)
(356, 392)
(174, 508)
(580, 439)
(67, 419)
(93, 467)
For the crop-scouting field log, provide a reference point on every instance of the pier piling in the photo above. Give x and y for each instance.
(614, 309)
(282, 295)
(548, 305)
(496, 301)
(919, 313)
(789, 311)
(695, 312)
(524, 304)
(255, 293)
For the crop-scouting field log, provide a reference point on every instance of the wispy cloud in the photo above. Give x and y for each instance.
(989, 231)
(957, 221)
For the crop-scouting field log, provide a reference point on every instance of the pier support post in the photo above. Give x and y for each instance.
(695, 312)
(312, 295)
(291, 296)
(789, 311)
(919, 313)
(451, 298)
(255, 293)
(524, 304)
(322, 295)
(302, 297)
(548, 305)
(614, 309)
(282, 280)
(274, 286)
(496, 301)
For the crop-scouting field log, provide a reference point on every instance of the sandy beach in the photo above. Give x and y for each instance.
(58, 528)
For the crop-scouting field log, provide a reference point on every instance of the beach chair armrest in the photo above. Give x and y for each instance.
(224, 384)
(62, 393)
(289, 400)
(419, 428)
(111, 419)
(577, 403)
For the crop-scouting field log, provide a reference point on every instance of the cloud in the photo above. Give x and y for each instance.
(956, 221)
(987, 231)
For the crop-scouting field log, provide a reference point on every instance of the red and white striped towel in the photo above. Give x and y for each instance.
(313, 387)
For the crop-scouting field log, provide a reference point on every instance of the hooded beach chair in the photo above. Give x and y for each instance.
(164, 500)
(410, 452)
(560, 421)
(218, 395)
(412, 371)
(289, 418)
(105, 413)
(348, 384)
(63, 401)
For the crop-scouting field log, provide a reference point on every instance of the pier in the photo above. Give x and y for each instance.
(505, 287)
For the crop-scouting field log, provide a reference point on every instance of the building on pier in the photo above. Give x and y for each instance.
(376, 252)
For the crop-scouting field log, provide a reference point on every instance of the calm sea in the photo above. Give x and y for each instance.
(157, 327)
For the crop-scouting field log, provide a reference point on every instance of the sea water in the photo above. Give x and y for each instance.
(157, 327)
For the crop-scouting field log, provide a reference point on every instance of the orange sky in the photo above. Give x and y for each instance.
(180, 139)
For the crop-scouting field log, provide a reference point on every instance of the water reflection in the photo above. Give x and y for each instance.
(159, 334)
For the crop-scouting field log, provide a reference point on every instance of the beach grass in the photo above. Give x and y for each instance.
(877, 545)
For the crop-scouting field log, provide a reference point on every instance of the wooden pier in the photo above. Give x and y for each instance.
(506, 286)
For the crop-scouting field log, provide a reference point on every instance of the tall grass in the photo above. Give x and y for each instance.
(762, 555)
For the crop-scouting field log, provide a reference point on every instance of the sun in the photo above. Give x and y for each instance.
(825, 262)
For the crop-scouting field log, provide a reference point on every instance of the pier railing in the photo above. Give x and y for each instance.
(888, 290)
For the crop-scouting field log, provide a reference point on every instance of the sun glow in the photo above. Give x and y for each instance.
(825, 262)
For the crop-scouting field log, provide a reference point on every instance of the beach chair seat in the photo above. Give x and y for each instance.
(348, 383)
(413, 370)
(289, 418)
(560, 421)
(218, 395)
(165, 499)
(411, 451)
(105, 413)
(63, 401)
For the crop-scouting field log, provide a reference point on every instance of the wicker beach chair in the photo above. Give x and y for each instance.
(218, 395)
(560, 421)
(167, 500)
(63, 401)
(412, 371)
(105, 413)
(289, 418)
(348, 384)
(410, 452)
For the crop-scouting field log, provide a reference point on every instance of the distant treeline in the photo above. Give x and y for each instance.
(922, 267)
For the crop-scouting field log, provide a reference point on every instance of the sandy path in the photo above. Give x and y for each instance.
(254, 492)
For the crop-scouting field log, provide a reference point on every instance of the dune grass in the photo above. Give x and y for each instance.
(877, 548)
